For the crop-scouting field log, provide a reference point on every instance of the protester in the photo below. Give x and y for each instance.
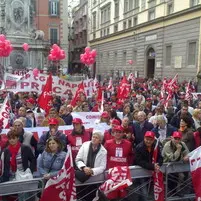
(53, 131)
(17, 156)
(52, 159)
(65, 114)
(91, 158)
(197, 118)
(53, 114)
(119, 150)
(78, 136)
(22, 113)
(141, 127)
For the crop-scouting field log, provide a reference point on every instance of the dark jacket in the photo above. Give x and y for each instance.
(28, 161)
(68, 118)
(144, 157)
(42, 141)
(169, 130)
(175, 121)
(139, 132)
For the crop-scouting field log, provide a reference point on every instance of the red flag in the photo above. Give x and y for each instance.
(62, 187)
(99, 95)
(163, 88)
(188, 91)
(45, 99)
(110, 86)
(119, 179)
(80, 89)
(124, 89)
(195, 167)
(5, 114)
(95, 84)
(157, 178)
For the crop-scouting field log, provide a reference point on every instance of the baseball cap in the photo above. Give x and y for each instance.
(118, 128)
(30, 100)
(115, 122)
(177, 134)
(77, 121)
(150, 134)
(53, 121)
(105, 115)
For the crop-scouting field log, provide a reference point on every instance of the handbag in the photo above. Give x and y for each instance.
(23, 175)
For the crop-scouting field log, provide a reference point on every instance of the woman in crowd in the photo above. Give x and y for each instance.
(17, 156)
(91, 158)
(127, 113)
(52, 159)
(187, 132)
(197, 118)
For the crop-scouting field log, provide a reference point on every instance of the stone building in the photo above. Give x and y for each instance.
(161, 37)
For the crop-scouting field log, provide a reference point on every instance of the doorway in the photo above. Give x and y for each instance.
(150, 63)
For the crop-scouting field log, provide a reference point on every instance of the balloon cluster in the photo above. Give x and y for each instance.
(5, 46)
(56, 53)
(89, 57)
(25, 47)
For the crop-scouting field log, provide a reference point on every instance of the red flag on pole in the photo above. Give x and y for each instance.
(188, 91)
(62, 187)
(124, 89)
(45, 99)
(110, 86)
(157, 178)
(5, 114)
(80, 89)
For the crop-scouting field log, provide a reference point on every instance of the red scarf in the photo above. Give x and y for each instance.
(14, 151)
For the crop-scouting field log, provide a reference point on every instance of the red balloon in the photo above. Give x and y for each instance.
(2, 37)
(94, 53)
(130, 62)
(87, 49)
(25, 47)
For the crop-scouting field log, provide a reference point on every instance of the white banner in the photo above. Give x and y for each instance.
(29, 82)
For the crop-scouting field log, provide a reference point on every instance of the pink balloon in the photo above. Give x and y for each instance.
(93, 53)
(130, 62)
(25, 47)
(35, 72)
(2, 37)
(87, 49)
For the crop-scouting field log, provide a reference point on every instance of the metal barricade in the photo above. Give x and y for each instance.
(16, 187)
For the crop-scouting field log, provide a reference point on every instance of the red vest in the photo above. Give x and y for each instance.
(77, 140)
(119, 154)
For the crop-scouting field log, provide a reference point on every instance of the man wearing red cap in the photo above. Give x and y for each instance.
(109, 134)
(127, 130)
(53, 131)
(119, 150)
(78, 136)
(144, 152)
(175, 150)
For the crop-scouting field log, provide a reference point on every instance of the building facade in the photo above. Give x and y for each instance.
(161, 37)
(52, 19)
(78, 36)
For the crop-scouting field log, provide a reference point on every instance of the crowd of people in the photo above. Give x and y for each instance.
(130, 139)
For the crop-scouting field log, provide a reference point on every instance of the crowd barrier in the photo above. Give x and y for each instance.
(14, 187)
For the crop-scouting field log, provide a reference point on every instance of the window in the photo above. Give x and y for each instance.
(192, 53)
(169, 8)
(135, 21)
(94, 21)
(137, 3)
(101, 33)
(115, 28)
(108, 31)
(135, 56)
(131, 4)
(115, 59)
(168, 55)
(194, 2)
(104, 32)
(54, 8)
(126, 6)
(151, 15)
(116, 9)
(129, 23)
(94, 35)
(53, 35)
(124, 25)
(143, 4)
(105, 14)
(124, 58)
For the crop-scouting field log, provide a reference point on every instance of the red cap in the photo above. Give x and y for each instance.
(177, 134)
(30, 100)
(150, 134)
(115, 122)
(148, 99)
(77, 121)
(118, 128)
(53, 121)
(105, 115)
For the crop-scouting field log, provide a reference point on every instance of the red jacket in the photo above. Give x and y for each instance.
(119, 154)
(76, 140)
(108, 135)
